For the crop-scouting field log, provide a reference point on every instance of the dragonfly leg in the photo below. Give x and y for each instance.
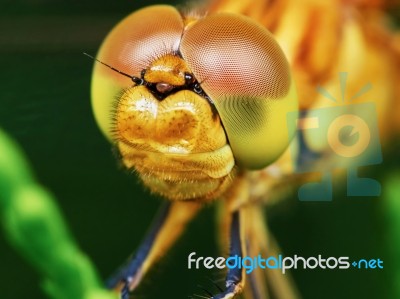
(166, 228)
(265, 283)
(234, 280)
(243, 221)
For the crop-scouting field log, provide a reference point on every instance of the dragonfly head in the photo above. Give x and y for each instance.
(209, 96)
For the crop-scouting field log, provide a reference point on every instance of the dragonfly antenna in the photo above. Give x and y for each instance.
(137, 80)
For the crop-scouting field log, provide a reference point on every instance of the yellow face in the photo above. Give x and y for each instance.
(192, 100)
(169, 134)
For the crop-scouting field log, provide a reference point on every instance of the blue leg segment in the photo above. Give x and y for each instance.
(234, 276)
(127, 273)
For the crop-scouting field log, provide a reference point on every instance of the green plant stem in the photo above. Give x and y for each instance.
(35, 227)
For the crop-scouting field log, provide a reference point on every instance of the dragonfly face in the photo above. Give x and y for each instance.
(201, 103)
(167, 131)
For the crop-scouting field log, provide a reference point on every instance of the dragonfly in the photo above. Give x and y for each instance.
(197, 106)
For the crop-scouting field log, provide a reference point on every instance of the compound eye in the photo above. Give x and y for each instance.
(129, 47)
(245, 73)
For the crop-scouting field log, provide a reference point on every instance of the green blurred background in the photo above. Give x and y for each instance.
(45, 106)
